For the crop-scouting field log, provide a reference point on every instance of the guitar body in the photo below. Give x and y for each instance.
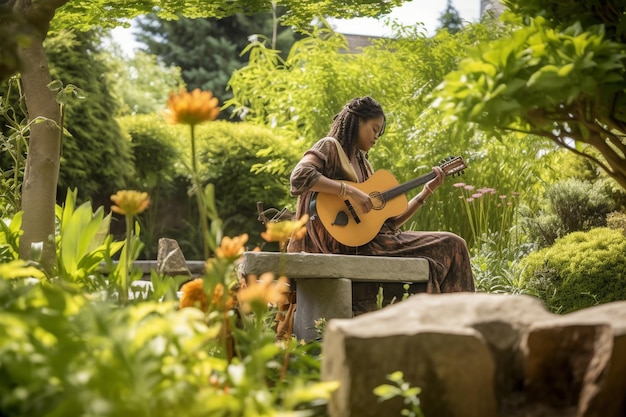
(347, 223)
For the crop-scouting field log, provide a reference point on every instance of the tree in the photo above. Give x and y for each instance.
(42, 167)
(560, 75)
(140, 83)
(450, 19)
(208, 50)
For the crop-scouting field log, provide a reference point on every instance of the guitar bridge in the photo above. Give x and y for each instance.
(352, 211)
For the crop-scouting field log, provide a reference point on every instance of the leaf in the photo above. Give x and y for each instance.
(386, 391)
(565, 70)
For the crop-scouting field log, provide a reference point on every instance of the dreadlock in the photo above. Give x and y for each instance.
(345, 126)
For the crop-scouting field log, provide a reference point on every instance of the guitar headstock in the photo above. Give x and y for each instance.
(453, 165)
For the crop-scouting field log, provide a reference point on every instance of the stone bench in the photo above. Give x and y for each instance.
(324, 281)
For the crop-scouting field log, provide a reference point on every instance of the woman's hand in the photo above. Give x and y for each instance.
(360, 198)
(437, 181)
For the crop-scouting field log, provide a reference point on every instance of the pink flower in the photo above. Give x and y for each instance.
(468, 187)
(477, 195)
(458, 184)
(502, 197)
(469, 200)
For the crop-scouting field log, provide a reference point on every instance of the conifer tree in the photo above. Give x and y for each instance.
(450, 19)
(208, 50)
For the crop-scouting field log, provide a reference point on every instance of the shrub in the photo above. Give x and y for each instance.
(157, 156)
(247, 164)
(580, 270)
(616, 220)
(571, 205)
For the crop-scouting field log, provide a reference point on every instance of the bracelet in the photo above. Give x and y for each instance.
(343, 189)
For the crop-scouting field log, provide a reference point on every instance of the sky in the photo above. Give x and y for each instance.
(427, 12)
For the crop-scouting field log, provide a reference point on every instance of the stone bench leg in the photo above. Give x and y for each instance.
(329, 298)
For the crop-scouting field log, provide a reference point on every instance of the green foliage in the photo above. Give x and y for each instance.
(10, 233)
(13, 34)
(96, 156)
(401, 389)
(62, 354)
(489, 213)
(495, 268)
(234, 157)
(158, 163)
(500, 83)
(561, 14)
(245, 164)
(208, 50)
(140, 83)
(67, 350)
(156, 152)
(616, 220)
(83, 242)
(565, 85)
(570, 205)
(111, 13)
(14, 135)
(580, 270)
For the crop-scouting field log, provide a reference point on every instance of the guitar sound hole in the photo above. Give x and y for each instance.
(378, 202)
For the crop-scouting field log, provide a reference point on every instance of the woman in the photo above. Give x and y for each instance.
(353, 133)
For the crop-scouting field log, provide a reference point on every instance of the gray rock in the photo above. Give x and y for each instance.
(481, 355)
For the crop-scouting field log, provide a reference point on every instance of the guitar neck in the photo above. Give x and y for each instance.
(409, 185)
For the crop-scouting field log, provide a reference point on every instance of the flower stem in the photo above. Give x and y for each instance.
(204, 225)
(126, 260)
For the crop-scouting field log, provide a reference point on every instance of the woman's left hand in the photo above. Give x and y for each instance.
(438, 180)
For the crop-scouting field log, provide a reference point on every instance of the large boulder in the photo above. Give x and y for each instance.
(480, 355)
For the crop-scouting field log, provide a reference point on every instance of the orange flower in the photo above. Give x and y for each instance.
(194, 295)
(231, 248)
(130, 202)
(264, 290)
(192, 108)
(284, 230)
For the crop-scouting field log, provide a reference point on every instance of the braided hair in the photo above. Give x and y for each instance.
(345, 126)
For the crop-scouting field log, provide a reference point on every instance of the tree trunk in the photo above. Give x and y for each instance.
(42, 163)
(43, 159)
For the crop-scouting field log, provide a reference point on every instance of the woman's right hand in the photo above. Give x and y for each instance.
(360, 198)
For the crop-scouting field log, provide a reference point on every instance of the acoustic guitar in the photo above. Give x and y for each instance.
(349, 225)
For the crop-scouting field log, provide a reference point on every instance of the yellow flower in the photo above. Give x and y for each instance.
(130, 202)
(284, 230)
(192, 108)
(263, 290)
(232, 248)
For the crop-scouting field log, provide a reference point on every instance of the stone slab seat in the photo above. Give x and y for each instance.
(324, 281)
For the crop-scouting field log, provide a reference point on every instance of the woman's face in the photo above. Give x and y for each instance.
(369, 130)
